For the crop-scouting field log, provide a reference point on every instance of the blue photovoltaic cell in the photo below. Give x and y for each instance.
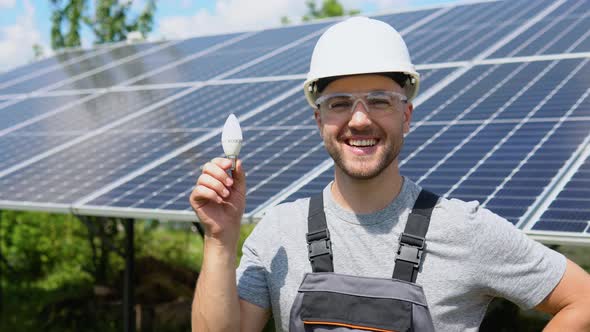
(144, 64)
(83, 168)
(563, 30)
(429, 77)
(477, 94)
(29, 141)
(209, 106)
(63, 73)
(401, 21)
(100, 111)
(15, 148)
(542, 166)
(41, 65)
(290, 62)
(460, 34)
(32, 107)
(451, 94)
(232, 56)
(292, 111)
(570, 211)
(314, 187)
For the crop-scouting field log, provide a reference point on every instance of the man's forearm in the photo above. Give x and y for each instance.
(572, 318)
(216, 306)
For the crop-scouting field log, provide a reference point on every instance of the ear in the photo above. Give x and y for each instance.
(409, 109)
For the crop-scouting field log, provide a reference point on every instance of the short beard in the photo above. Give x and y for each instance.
(391, 153)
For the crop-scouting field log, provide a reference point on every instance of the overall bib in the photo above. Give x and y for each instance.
(327, 301)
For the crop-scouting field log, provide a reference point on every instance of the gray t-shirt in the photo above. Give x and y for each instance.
(472, 256)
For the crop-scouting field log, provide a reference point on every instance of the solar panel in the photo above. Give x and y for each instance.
(31, 138)
(570, 211)
(44, 64)
(459, 34)
(233, 55)
(490, 125)
(141, 65)
(63, 73)
(567, 26)
(32, 107)
(113, 153)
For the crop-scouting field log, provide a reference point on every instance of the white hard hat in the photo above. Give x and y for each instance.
(360, 45)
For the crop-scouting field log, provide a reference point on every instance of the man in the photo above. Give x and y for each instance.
(361, 83)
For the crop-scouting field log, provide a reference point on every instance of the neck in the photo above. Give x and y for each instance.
(363, 196)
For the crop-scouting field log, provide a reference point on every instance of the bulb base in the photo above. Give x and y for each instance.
(234, 160)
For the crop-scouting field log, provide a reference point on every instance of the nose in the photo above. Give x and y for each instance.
(360, 115)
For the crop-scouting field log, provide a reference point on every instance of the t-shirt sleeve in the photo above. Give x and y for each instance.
(251, 274)
(509, 264)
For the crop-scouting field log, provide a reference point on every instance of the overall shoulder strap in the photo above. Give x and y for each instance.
(318, 237)
(412, 240)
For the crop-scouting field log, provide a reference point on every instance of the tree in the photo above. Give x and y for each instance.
(66, 16)
(111, 21)
(330, 8)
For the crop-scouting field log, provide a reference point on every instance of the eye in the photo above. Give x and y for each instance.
(379, 102)
(339, 104)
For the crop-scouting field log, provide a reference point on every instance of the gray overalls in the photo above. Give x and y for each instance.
(327, 301)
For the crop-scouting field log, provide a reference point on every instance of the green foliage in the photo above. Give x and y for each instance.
(66, 16)
(37, 51)
(329, 8)
(111, 21)
(285, 20)
(35, 245)
(178, 246)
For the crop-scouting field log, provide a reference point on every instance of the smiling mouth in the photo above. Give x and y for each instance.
(361, 143)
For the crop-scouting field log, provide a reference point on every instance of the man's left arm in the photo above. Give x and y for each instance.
(569, 301)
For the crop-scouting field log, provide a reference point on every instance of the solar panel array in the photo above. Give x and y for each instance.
(503, 117)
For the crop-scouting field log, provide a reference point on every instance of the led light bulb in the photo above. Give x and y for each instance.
(231, 139)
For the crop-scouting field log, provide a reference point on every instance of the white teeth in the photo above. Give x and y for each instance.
(362, 142)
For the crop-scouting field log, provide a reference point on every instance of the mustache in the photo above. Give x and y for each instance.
(352, 132)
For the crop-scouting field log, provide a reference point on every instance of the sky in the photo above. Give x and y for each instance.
(24, 23)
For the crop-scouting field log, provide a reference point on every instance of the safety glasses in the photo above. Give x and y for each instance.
(378, 103)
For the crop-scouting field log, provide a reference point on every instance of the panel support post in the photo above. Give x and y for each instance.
(200, 229)
(1, 241)
(128, 287)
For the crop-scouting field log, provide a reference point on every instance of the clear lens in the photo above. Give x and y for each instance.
(377, 102)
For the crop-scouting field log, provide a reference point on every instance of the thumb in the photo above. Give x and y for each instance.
(239, 177)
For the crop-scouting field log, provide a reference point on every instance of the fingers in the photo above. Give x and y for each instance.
(217, 168)
(202, 194)
(239, 177)
(212, 183)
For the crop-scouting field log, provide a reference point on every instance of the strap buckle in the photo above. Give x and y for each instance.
(318, 243)
(410, 249)
(319, 248)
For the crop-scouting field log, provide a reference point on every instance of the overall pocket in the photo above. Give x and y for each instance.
(331, 311)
